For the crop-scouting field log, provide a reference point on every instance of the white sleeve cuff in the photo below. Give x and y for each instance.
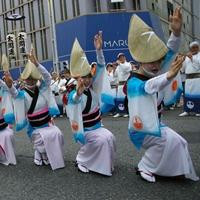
(41, 68)
(100, 57)
(174, 42)
(156, 84)
(13, 91)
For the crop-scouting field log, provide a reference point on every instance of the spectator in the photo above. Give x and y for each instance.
(192, 89)
(122, 73)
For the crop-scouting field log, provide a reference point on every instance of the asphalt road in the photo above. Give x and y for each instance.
(27, 181)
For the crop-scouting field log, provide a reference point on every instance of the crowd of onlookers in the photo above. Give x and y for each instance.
(58, 87)
(118, 73)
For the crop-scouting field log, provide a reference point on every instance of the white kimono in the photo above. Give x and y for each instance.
(7, 153)
(98, 144)
(172, 92)
(46, 137)
(192, 84)
(166, 152)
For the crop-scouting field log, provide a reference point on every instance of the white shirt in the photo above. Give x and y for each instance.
(192, 66)
(61, 84)
(123, 71)
(54, 86)
(112, 79)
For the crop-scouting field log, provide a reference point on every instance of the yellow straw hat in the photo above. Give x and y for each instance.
(79, 65)
(144, 45)
(31, 70)
(5, 63)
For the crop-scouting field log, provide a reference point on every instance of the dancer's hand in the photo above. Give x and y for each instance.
(175, 67)
(98, 41)
(32, 58)
(176, 22)
(8, 79)
(189, 55)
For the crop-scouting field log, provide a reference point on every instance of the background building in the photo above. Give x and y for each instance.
(37, 23)
(191, 17)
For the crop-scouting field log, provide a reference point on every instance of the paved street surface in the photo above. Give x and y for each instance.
(27, 181)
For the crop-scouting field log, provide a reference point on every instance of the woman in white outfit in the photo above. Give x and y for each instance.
(166, 152)
(34, 106)
(7, 152)
(97, 150)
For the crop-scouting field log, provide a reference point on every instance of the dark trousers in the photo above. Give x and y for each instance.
(60, 107)
(126, 104)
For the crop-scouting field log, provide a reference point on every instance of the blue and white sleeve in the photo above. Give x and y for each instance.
(173, 43)
(46, 75)
(156, 84)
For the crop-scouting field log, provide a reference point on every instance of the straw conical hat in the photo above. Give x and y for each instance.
(5, 63)
(30, 70)
(144, 45)
(79, 65)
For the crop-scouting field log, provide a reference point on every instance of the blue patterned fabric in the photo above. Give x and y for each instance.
(22, 125)
(138, 137)
(30, 129)
(71, 99)
(106, 98)
(54, 111)
(21, 94)
(108, 103)
(96, 126)
(135, 87)
(100, 69)
(79, 137)
(192, 103)
(174, 98)
(168, 60)
(105, 108)
(9, 118)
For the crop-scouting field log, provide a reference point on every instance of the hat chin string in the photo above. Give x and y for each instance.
(30, 86)
(148, 73)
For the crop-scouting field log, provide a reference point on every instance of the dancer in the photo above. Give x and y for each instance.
(34, 105)
(166, 151)
(7, 153)
(192, 89)
(97, 150)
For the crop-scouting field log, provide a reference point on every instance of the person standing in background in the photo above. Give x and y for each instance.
(192, 82)
(122, 73)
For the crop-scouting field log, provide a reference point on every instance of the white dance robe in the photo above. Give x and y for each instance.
(172, 92)
(167, 155)
(7, 143)
(97, 150)
(7, 152)
(49, 137)
(166, 151)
